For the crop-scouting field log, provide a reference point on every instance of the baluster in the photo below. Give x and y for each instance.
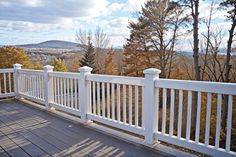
(198, 117)
(9, 79)
(58, 91)
(64, 87)
(76, 98)
(61, 91)
(37, 87)
(30, 85)
(208, 118)
(108, 101)
(136, 106)
(218, 120)
(34, 85)
(124, 103)
(68, 92)
(94, 99)
(172, 112)
(5, 83)
(229, 123)
(118, 102)
(130, 105)
(180, 113)
(42, 87)
(103, 100)
(54, 89)
(189, 109)
(72, 93)
(98, 98)
(113, 101)
(164, 111)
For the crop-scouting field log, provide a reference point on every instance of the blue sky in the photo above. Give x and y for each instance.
(33, 21)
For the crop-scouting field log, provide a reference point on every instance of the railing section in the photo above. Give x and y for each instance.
(117, 101)
(31, 84)
(65, 91)
(195, 127)
(6, 83)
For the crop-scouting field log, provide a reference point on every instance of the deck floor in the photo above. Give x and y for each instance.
(27, 131)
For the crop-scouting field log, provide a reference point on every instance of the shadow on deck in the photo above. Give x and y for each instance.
(27, 131)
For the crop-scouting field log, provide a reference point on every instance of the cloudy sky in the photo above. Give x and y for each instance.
(33, 21)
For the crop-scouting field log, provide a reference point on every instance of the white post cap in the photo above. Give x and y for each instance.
(17, 66)
(48, 68)
(152, 71)
(85, 69)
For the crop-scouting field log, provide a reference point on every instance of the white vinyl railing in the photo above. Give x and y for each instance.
(6, 83)
(65, 91)
(209, 99)
(116, 101)
(31, 84)
(157, 109)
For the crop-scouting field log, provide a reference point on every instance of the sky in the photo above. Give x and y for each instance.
(34, 21)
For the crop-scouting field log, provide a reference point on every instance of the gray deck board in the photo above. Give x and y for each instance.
(35, 132)
(3, 153)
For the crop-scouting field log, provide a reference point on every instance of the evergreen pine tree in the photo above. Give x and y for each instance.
(89, 57)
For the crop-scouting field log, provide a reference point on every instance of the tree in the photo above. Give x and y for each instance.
(59, 65)
(74, 66)
(194, 7)
(110, 66)
(37, 65)
(100, 41)
(89, 57)
(10, 55)
(154, 36)
(230, 5)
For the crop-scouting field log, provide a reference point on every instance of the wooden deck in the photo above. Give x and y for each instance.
(27, 131)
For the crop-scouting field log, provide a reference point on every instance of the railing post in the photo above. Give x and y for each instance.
(84, 93)
(16, 79)
(149, 106)
(47, 85)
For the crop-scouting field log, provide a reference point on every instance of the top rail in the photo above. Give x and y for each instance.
(116, 79)
(6, 70)
(202, 86)
(65, 75)
(28, 71)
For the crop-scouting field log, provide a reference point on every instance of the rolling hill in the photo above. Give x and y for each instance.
(52, 44)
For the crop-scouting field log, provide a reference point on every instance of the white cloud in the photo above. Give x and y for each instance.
(32, 3)
(45, 11)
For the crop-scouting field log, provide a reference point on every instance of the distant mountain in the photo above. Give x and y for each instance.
(57, 44)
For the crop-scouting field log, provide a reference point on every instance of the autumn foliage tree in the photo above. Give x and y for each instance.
(10, 55)
(153, 37)
(110, 66)
(59, 65)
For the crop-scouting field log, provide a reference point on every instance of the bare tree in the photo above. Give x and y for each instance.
(83, 37)
(230, 6)
(101, 42)
(213, 65)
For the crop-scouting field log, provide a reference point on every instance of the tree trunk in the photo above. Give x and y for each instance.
(195, 13)
(227, 72)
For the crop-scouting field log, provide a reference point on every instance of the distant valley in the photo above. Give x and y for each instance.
(46, 51)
